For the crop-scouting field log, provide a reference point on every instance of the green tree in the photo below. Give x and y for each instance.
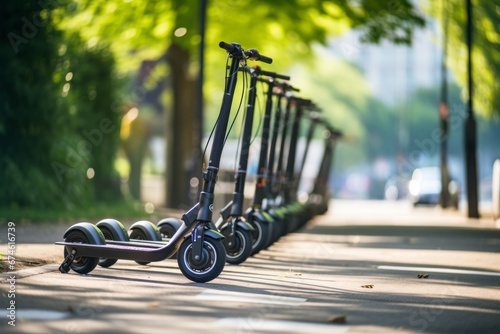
(91, 97)
(32, 121)
(485, 56)
(55, 95)
(282, 29)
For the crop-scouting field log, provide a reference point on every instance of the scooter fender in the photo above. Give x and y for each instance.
(169, 226)
(173, 222)
(148, 228)
(92, 232)
(262, 216)
(117, 229)
(244, 225)
(276, 213)
(240, 222)
(214, 234)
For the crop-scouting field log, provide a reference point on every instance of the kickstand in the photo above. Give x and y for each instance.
(64, 267)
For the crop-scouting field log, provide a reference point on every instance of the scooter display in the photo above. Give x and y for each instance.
(200, 250)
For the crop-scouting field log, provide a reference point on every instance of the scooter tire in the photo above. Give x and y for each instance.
(105, 262)
(260, 235)
(139, 235)
(241, 248)
(214, 258)
(81, 264)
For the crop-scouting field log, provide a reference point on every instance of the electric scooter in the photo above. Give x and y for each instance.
(232, 224)
(319, 196)
(200, 250)
(280, 189)
(314, 120)
(291, 189)
(259, 218)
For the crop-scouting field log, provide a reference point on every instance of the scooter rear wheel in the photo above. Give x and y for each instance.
(168, 227)
(210, 265)
(80, 264)
(105, 262)
(139, 235)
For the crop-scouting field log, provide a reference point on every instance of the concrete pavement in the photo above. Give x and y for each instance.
(354, 270)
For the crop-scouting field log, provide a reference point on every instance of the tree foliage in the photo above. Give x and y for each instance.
(282, 28)
(31, 115)
(58, 126)
(48, 106)
(485, 56)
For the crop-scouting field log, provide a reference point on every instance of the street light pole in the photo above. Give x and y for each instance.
(470, 129)
(443, 113)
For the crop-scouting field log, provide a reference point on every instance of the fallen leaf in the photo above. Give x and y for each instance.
(339, 319)
(154, 304)
(368, 286)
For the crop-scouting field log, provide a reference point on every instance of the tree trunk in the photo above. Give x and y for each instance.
(181, 130)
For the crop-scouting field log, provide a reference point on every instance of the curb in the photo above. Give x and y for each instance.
(29, 272)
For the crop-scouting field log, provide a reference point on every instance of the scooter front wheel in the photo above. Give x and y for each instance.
(238, 248)
(209, 266)
(259, 235)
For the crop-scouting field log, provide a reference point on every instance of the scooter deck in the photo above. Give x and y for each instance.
(136, 251)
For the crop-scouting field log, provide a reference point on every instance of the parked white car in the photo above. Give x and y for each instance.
(425, 187)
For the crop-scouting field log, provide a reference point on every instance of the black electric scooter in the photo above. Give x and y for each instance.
(200, 249)
(232, 224)
(281, 186)
(297, 209)
(319, 196)
(314, 120)
(257, 215)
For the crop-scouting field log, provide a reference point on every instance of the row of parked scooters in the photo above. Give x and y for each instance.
(202, 247)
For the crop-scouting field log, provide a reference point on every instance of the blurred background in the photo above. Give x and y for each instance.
(106, 106)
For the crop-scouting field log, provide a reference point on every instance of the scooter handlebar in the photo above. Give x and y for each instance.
(227, 46)
(275, 75)
(250, 53)
(255, 55)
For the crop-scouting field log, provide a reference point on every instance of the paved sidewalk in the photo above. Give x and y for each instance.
(365, 267)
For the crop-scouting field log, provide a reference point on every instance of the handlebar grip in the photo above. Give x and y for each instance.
(265, 59)
(289, 87)
(282, 77)
(302, 102)
(275, 75)
(226, 46)
(255, 55)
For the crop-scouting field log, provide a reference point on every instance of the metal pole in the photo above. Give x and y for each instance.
(470, 129)
(443, 113)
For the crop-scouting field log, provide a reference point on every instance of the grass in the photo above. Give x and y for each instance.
(116, 210)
